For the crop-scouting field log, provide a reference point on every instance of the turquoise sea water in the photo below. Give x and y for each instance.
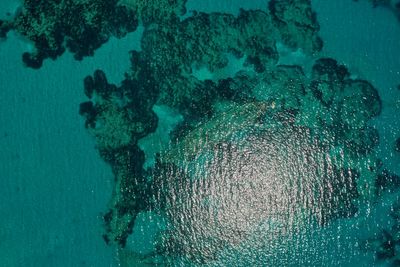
(54, 187)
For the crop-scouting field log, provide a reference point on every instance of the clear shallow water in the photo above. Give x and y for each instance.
(55, 185)
(368, 43)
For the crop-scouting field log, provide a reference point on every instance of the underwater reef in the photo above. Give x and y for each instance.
(397, 145)
(79, 26)
(274, 111)
(267, 144)
(392, 5)
(119, 116)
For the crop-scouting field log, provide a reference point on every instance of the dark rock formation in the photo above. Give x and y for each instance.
(297, 24)
(397, 145)
(386, 182)
(79, 26)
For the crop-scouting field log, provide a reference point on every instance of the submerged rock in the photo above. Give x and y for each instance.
(328, 78)
(207, 135)
(361, 142)
(231, 186)
(264, 145)
(118, 117)
(328, 69)
(285, 86)
(79, 26)
(392, 5)
(386, 181)
(206, 39)
(297, 24)
(397, 145)
(160, 11)
(5, 27)
(130, 195)
(360, 103)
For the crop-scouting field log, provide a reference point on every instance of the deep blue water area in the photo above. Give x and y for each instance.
(55, 186)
